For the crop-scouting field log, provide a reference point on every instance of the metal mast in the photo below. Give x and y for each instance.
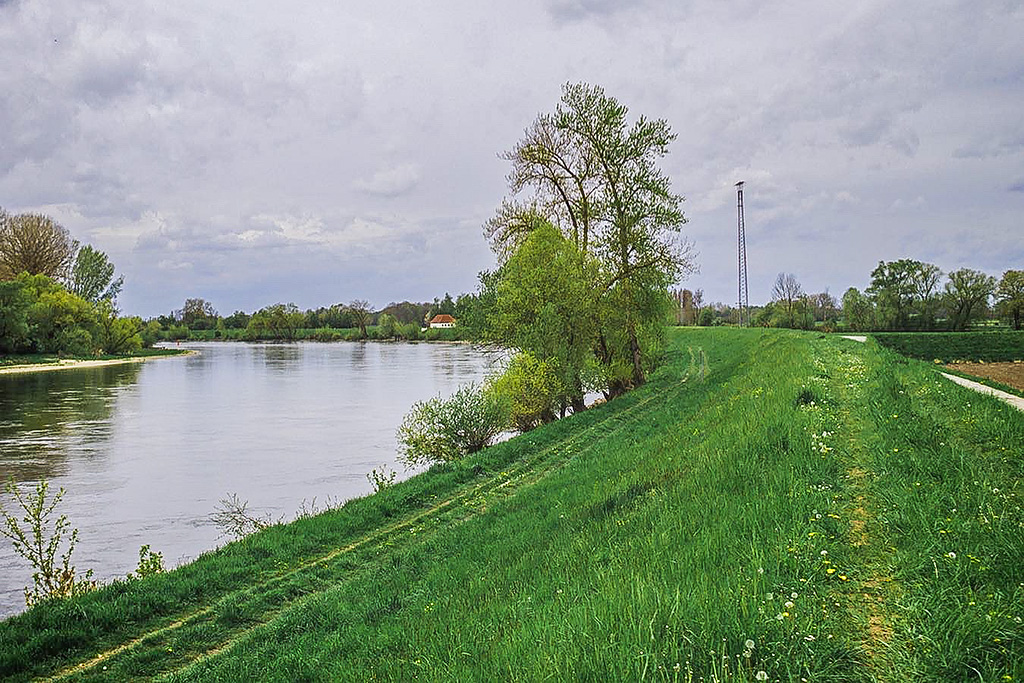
(741, 248)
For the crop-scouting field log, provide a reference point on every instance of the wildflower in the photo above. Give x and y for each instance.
(809, 637)
(749, 645)
(842, 577)
(761, 676)
(824, 553)
(794, 595)
(830, 570)
(951, 555)
(789, 605)
(780, 616)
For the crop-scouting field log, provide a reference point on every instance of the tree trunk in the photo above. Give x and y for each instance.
(634, 348)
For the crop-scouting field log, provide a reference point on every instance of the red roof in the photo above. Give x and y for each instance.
(442, 318)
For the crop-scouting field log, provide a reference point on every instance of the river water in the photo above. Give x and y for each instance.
(147, 451)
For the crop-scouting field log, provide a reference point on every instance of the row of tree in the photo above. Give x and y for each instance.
(904, 295)
(403, 320)
(910, 295)
(58, 297)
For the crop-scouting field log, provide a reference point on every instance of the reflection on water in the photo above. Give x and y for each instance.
(47, 417)
(146, 452)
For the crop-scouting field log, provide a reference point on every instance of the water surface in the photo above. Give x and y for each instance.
(147, 451)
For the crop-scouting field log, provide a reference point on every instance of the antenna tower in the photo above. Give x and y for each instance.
(741, 248)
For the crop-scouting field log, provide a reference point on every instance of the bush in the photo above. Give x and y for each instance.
(447, 429)
(531, 389)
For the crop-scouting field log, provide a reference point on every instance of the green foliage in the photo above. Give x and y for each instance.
(15, 301)
(116, 335)
(387, 326)
(381, 478)
(447, 429)
(967, 293)
(279, 321)
(1010, 293)
(531, 389)
(92, 276)
(542, 302)
(62, 323)
(994, 346)
(150, 563)
(858, 311)
(40, 541)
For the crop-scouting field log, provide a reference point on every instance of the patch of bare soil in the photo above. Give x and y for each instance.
(1010, 374)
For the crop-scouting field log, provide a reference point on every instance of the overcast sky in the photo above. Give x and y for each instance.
(319, 152)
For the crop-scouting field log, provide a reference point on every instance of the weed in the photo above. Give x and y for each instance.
(40, 542)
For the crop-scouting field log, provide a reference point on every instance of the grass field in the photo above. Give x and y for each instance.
(952, 347)
(815, 508)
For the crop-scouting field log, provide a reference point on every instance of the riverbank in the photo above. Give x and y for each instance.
(810, 508)
(51, 364)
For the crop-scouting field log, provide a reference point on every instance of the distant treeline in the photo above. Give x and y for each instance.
(904, 296)
(198, 320)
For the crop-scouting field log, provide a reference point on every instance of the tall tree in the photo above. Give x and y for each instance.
(897, 287)
(786, 293)
(596, 178)
(1011, 296)
(361, 315)
(34, 244)
(858, 311)
(92, 276)
(197, 314)
(966, 291)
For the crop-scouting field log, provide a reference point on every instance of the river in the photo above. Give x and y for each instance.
(147, 451)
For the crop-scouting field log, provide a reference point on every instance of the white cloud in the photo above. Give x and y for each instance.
(391, 182)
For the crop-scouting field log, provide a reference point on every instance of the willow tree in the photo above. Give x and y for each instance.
(596, 177)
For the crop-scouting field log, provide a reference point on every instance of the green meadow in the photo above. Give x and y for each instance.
(809, 508)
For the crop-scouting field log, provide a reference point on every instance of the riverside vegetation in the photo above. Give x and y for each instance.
(813, 508)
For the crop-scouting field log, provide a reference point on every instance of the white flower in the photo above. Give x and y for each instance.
(761, 676)
(951, 555)
(749, 645)
(794, 595)
(789, 605)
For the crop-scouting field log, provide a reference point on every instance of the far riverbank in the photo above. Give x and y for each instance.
(49, 365)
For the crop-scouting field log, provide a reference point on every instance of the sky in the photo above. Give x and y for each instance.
(323, 151)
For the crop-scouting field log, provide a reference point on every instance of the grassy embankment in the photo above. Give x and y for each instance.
(847, 511)
(7, 361)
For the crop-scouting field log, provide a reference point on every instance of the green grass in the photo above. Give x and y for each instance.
(50, 359)
(849, 512)
(1003, 345)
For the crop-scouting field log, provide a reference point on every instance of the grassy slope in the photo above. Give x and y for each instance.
(844, 509)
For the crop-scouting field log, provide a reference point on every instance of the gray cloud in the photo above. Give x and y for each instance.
(324, 152)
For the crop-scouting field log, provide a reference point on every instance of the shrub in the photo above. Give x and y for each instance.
(40, 542)
(447, 429)
(531, 389)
